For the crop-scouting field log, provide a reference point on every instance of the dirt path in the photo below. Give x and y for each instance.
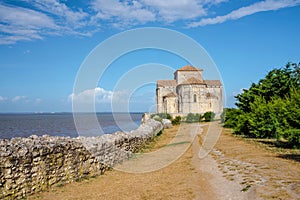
(262, 172)
(235, 169)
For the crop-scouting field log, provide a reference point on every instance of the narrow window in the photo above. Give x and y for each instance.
(195, 98)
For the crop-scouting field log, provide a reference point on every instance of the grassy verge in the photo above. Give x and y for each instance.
(160, 140)
(278, 147)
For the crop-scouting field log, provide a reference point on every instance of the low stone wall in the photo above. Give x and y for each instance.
(110, 149)
(29, 165)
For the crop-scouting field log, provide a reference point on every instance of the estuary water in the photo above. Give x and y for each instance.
(62, 124)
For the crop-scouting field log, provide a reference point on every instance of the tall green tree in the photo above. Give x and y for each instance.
(277, 83)
(269, 108)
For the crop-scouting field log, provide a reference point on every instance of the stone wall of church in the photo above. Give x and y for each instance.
(183, 76)
(171, 105)
(199, 99)
(160, 93)
(215, 101)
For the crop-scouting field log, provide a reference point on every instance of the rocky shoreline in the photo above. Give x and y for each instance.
(33, 164)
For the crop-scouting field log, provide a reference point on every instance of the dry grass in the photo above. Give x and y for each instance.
(250, 170)
(177, 181)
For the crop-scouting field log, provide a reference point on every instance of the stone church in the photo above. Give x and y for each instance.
(189, 93)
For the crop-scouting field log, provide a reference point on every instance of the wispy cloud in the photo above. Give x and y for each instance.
(170, 10)
(37, 19)
(22, 24)
(100, 95)
(19, 98)
(2, 98)
(122, 12)
(67, 19)
(43, 18)
(38, 101)
(267, 5)
(27, 51)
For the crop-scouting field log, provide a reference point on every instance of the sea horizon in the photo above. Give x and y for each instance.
(62, 124)
(136, 112)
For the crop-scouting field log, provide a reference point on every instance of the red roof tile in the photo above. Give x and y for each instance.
(166, 83)
(189, 68)
(213, 82)
(172, 94)
(192, 80)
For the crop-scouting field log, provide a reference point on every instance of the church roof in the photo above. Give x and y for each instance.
(166, 83)
(189, 68)
(213, 82)
(192, 81)
(172, 94)
(195, 81)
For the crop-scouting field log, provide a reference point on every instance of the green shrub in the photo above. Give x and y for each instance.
(209, 116)
(157, 118)
(293, 137)
(190, 118)
(230, 116)
(223, 116)
(176, 120)
(162, 115)
(169, 116)
(269, 108)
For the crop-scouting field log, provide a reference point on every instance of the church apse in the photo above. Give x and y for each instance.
(188, 93)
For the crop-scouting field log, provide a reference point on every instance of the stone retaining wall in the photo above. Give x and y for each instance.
(29, 165)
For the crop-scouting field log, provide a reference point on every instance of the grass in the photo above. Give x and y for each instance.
(177, 143)
(60, 185)
(164, 138)
(85, 177)
(149, 145)
(245, 189)
(161, 184)
(273, 145)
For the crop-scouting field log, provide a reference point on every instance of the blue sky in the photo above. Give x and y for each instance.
(44, 42)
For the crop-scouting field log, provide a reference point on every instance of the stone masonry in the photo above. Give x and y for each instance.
(189, 93)
(29, 165)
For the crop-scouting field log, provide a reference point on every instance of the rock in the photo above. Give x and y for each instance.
(167, 123)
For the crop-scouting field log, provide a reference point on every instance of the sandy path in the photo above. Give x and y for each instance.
(235, 169)
(261, 172)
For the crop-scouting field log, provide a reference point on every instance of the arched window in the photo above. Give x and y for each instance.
(195, 98)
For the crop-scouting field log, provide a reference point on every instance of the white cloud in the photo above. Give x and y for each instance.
(22, 24)
(40, 18)
(2, 98)
(25, 17)
(170, 10)
(144, 97)
(27, 51)
(213, 2)
(267, 5)
(47, 17)
(54, 7)
(19, 98)
(122, 12)
(140, 12)
(101, 96)
(38, 101)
